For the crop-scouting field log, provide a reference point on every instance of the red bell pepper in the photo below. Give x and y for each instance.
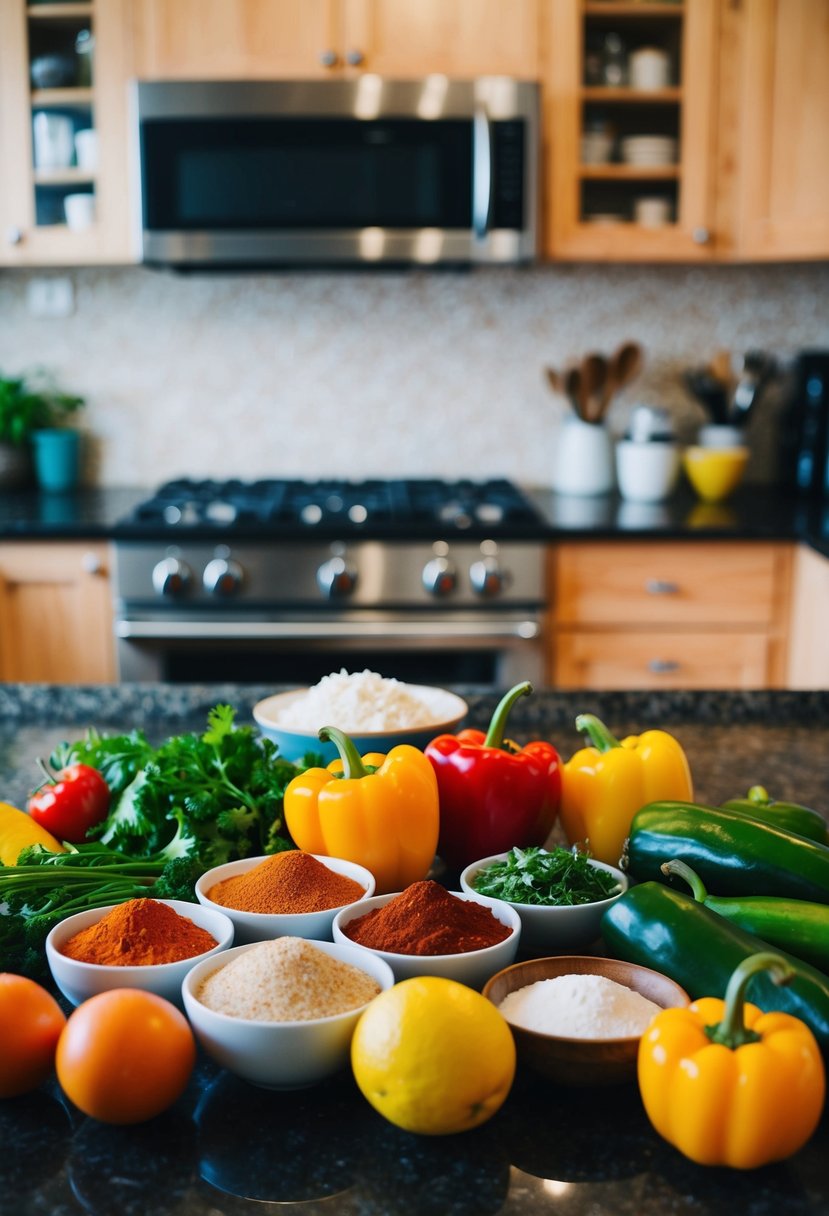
(71, 803)
(493, 794)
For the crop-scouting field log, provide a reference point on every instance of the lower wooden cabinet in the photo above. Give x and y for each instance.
(659, 615)
(56, 613)
(809, 637)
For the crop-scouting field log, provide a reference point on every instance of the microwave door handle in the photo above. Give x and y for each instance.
(481, 172)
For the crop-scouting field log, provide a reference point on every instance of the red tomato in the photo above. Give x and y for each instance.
(73, 804)
(125, 1055)
(31, 1022)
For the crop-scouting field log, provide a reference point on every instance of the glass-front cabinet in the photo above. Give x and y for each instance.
(631, 123)
(63, 155)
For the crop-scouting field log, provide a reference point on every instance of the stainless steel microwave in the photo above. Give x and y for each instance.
(348, 172)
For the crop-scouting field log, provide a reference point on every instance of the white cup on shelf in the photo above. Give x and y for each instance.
(649, 69)
(86, 149)
(53, 140)
(79, 210)
(652, 211)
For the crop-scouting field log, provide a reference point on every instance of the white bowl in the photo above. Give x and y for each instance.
(79, 981)
(649, 150)
(473, 968)
(552, 927)
(262, 926)
(448, 710)
(279, 1055)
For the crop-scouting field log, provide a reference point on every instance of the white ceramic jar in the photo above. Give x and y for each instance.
(584, 459)
(647, 472)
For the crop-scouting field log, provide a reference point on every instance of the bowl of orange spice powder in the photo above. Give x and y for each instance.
(141, 943)
(289, 894)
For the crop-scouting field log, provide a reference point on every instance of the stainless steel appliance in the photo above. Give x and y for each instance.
(284, 581)
(366, 171)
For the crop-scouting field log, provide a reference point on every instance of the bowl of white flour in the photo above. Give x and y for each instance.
(578, 1019)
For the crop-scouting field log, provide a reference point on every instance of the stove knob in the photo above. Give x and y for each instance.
(439, 577)
(487, 577)
(336, 577)
(222, 577)
(171, 577)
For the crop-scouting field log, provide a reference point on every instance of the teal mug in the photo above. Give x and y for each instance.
(57, 459)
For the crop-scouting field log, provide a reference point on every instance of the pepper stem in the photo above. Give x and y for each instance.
(352, 760)
(675, 866)
(498, 724)
(732, 1031)
(760, 795)
(597, 732)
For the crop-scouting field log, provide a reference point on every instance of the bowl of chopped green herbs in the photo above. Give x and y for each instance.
(560, 894)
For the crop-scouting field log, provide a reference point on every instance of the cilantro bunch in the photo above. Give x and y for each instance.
(211, 797)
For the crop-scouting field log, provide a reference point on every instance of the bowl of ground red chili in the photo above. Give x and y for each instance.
(427, 930)
(290, 894)
(142, 943)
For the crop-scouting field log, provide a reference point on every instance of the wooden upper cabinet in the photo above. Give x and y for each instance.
(33, 230)
(304, 38)
(601, 201)
(234, 39)
(774, 131)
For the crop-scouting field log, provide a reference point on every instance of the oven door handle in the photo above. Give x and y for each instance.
(524, 630)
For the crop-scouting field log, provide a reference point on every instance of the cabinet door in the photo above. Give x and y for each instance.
(452, 37)
(778, 65)
(56, 613)
(244, 39)
(809, 641)
(601, 202)
(623, 658)
(32, 227)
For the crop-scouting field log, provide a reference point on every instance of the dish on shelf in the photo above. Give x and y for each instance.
(649, 150)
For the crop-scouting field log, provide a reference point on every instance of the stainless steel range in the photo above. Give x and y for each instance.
(283, 581)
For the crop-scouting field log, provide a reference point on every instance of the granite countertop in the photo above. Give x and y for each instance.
(227, 1148)
(753, 513)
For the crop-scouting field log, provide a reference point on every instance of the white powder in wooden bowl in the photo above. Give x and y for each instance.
(286, 980)
(579, 1007)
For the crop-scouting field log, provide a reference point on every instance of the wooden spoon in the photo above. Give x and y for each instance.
(594, 373)
(626, 364)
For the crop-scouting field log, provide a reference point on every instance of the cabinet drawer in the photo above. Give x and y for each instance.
(669, 584)
(630, 659)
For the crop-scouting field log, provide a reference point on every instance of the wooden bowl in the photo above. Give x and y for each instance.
(582, 1061)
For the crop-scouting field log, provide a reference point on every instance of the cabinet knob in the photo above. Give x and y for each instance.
(701, 236)
(14, 236)
(660, 586)
(661, 667)
(91, 563)
(354, 58)
(329, 59)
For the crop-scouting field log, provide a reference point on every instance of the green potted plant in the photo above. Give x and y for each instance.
(31, 407)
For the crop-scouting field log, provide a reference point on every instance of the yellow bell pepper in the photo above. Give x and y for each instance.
(729, 1085)
(379, 811)
(604, 785)
(18, 830)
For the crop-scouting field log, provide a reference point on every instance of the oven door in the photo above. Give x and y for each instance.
(492, 649)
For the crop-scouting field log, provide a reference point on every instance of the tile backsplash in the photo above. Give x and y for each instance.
(346, 374)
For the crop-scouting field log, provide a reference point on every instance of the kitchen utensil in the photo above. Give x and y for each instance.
(79, 210)
(715, 472)
(646, 472)
(555, 381)
(594, 372)
(53, 140)
(652, 211)
(649, 150)
(573, 389)
(709, 391)
(627, 363)
(757, 368)
(649, 68)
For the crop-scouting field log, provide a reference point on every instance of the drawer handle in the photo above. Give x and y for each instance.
(660, 586)
(662, 666)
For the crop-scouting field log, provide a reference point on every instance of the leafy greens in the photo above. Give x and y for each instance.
(536, 876)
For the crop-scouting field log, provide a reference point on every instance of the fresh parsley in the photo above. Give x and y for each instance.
(536, 876)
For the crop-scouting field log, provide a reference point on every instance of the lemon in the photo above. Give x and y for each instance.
(433, 1056)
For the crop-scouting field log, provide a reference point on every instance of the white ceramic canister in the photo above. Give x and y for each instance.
(649, 68)
(584, 459)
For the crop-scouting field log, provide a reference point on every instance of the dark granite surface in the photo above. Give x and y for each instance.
(229, 1149)
(753, 513)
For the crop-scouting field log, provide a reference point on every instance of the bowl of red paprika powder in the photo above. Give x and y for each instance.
(142, 943)
(427, 930)
(290, 894)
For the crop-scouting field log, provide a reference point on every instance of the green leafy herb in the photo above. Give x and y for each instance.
(535, 876)
(44, 888)
(215, 796)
